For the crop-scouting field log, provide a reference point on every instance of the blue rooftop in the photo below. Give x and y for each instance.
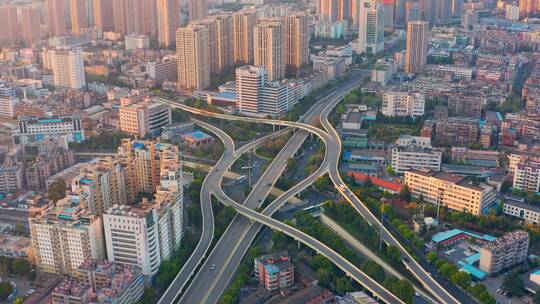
(475, 272)
(271, 268)
(86, 181)
(137, 145)
(227, 95)
(198, 135)
(472, 259)
(443, 236)
(536, 271)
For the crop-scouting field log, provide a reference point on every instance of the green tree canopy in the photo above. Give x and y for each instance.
(57, 190)
(513, 284)
(5, 290)
(21, 266)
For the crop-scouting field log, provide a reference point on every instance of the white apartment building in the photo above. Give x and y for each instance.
(11, 177)
(448, 190)
(256, 95)
(458, 72)
(415, 157)
(383, 71)
(529, 213)
(132, 237)
(144, 118)
(403, 104)
(504, 252)
(64, 237)
(527, 176)
(68, 68)
(409, 140)
(135, 41)
(164, 70)
(33, 130)
(371, 30)
(512, 12)
(7, 107)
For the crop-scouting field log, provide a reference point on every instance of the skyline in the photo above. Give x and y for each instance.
(269, 151)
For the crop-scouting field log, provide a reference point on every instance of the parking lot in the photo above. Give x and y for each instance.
(493, 284)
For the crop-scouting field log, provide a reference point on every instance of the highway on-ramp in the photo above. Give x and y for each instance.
(350, 269)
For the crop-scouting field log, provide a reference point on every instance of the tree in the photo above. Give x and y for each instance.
(20, 266)
(19, 227)
(513, 284)
(432, 257)
(394, 254)
(461, 279)
(324, 276)
(18, 301)
(5, 290)
(391, 171)
(374, 270)
(323, 183)
(405, 194)
(342, 285)
(148, 297)
(57, 190)
(404, 291)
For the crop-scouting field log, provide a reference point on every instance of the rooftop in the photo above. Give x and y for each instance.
(446, 235)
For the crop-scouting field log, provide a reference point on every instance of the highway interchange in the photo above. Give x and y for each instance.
(209, 284)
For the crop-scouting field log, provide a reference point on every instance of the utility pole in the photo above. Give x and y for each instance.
(383, 200)
(249, 168)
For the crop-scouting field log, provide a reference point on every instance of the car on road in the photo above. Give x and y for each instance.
(212, 266)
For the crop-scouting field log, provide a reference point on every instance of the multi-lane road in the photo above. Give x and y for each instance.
(219, 278)
(230, 244)
(211, 294)
(214, 177)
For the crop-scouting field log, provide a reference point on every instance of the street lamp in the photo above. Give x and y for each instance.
(383, 201)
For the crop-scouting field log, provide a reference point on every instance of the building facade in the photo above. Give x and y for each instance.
(403, 104)
(504, 252)
(415, 157)
(192, 49)
(274, 271)
(269, 48)
(33, 130)
(416, 52)
(448, 190)
(68, 69)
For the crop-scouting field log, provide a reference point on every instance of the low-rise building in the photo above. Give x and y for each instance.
(415, 157)
(144, 117)
(70, 291)
(11, 177)
(409, 140)
(353, 121)
(448, 190)
(135, 41)
(524, 211)
(274, 271)
(7, 107)
(504, 252)
(457, 131)
(33, 130)
(527, 175)
(403, 104)
(465, 105)
(383, 71)
(163, 70)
